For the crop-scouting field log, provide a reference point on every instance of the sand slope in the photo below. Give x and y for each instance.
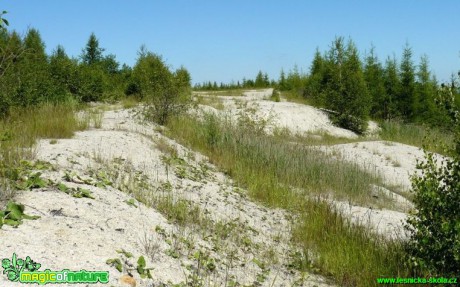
(239, 241)
(82, 233)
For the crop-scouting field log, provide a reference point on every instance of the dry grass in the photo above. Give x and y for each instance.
(211, 101)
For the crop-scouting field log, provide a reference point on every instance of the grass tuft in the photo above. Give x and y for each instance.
(435, 140)
(20, 131)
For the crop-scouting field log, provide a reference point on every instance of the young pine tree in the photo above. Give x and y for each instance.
(407, 98)
(63, 73)
(392, 83)
(92, 53)
(347, 93)
(35, 79)
(282, 85)
(259, 82)
(373, 74)
(94, 80)
(426, 93)
(317, 80)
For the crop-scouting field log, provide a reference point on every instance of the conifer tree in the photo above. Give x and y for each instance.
(259, 82)
(92, 53)
(35, 85)
(63, 72)
(266, 80)
(373, 74)
(317, 80)
(426, 91)
(282, 86)
(392, 89)
(407, 98)
(93, 75)
(346, 92)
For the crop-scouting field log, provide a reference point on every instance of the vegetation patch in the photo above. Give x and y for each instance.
(75, 192)
(269, 168)
(13, 215)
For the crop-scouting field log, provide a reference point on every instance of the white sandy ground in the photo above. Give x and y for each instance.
(394, 162)
(298, 119)
(81, 233)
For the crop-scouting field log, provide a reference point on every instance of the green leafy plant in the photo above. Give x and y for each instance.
(125, 253)
(115, 262)
(25, 176)
(141, 268)
(35, 181)
(14, 214)
(75, 192)
(166, 93)
(3, 21)
(81, 192)
(173, 253)
(103, 179)
(434, 243)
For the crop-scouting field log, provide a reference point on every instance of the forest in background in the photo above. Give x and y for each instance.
(355, 88)
(341, 80)
(29, 77)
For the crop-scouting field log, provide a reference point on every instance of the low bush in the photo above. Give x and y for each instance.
(434, 244)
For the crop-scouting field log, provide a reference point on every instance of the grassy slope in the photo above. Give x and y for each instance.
(271, 168)
(20, 131)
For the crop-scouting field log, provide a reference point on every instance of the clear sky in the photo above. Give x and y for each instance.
(224, 40)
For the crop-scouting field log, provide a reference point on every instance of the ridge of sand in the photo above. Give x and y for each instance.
(82, 233)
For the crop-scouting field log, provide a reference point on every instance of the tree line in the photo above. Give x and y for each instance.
(29, 76)
(356, 88)
(260, 81)
(353, 87)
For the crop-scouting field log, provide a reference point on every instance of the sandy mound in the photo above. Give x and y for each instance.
(235, 240)
(226, 238)
(297, 118)
(394, 162)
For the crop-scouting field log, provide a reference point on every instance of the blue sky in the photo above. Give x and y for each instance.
(227, 40)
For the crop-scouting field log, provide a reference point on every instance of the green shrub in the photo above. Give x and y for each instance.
(434, 244)
(165, 92)
(355, 124)
(92, 83)
(435, 228)
(275, 96)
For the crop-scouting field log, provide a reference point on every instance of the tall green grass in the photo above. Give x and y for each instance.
(286, 175)
(351, 254)
(435, 140)
(20, 131)
(255, 158)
